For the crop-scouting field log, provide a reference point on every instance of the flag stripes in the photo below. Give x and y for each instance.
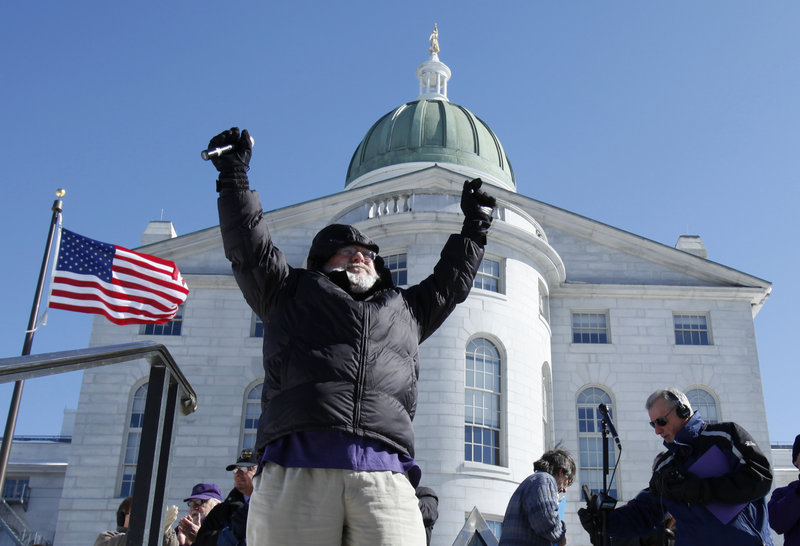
(125, 286)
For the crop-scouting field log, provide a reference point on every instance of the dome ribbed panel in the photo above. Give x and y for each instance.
(433, 124)
(434, 131)
(465, 139)
(401, 129)
(490, 146)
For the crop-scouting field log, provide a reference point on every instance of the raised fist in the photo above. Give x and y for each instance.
(476, 204)
(233, 164)
(477, 207)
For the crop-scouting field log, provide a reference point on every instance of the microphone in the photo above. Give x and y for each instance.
(216, 152)
(607, 419)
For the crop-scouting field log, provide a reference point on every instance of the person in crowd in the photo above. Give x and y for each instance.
(341, 362)
(784, 505)
(220, 526)
(204, 497)
(712, 479)
(429, 506)
(119, 537)
(532, 513)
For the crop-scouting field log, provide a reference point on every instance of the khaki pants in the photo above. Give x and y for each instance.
(321, 506)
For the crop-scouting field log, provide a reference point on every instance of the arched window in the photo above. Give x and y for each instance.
(482, 403)
(132, 441)
(702, 401)
(252, 411)
(590, 440)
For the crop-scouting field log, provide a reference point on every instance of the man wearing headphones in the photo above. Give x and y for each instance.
(712, 479)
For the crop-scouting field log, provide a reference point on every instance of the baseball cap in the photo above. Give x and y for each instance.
(204, 491)
(245, 459)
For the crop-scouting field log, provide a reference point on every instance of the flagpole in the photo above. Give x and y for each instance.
(13, 410)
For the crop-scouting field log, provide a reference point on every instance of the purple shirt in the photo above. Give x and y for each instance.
(335, 449)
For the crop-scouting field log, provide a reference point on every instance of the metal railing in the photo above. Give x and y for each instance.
(168, 390)
(18, 528)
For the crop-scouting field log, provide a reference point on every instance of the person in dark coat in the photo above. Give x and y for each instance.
(221, 522)
(429, 507)
(341, 362)
(712, 479)
(784, 505)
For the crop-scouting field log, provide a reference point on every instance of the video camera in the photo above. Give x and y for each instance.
(594, 517)
(598, 502)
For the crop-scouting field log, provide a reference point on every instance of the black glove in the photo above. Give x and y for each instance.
(477, 207)
(232, 166)
(689, 490)
(674, 484)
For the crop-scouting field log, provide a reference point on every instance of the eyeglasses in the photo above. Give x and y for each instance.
(661, 421)
(350, 251)
(196, 503)
(242, 469)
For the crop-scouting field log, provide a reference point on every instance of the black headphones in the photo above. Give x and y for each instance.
(681, 410)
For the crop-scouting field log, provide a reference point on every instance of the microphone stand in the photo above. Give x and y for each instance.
(604, 513)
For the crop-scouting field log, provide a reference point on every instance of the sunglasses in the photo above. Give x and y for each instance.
(661, 421)
(196, 503)
(242, 469)
(350, 251)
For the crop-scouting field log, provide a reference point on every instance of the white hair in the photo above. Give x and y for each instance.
(671, 396)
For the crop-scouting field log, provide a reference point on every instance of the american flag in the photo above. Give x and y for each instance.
(124, 286)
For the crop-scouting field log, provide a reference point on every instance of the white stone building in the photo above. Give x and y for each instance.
(567, 312)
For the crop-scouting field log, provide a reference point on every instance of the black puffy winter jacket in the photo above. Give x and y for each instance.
(331, 361)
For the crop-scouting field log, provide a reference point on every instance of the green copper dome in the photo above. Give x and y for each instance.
(432, 131)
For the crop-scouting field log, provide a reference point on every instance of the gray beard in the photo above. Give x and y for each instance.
(358, 284)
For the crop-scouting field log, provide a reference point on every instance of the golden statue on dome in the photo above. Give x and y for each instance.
(434, 38)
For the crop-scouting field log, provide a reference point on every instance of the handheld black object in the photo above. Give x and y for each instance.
(607, 418)
(598, 505)
(216, 152)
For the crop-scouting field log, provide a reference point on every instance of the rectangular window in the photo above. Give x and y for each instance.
(398, 265)
(496, 527)
(257, 327)
(171, 328)
(691, 329)
(590, 328)
(488, 277)
(16, 490)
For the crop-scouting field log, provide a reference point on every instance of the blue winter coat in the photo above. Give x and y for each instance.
(748, 481)
(784, 513)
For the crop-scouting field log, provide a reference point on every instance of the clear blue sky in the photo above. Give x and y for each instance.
(658, 118)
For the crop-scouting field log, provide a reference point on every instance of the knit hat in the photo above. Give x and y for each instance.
(333, 237)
